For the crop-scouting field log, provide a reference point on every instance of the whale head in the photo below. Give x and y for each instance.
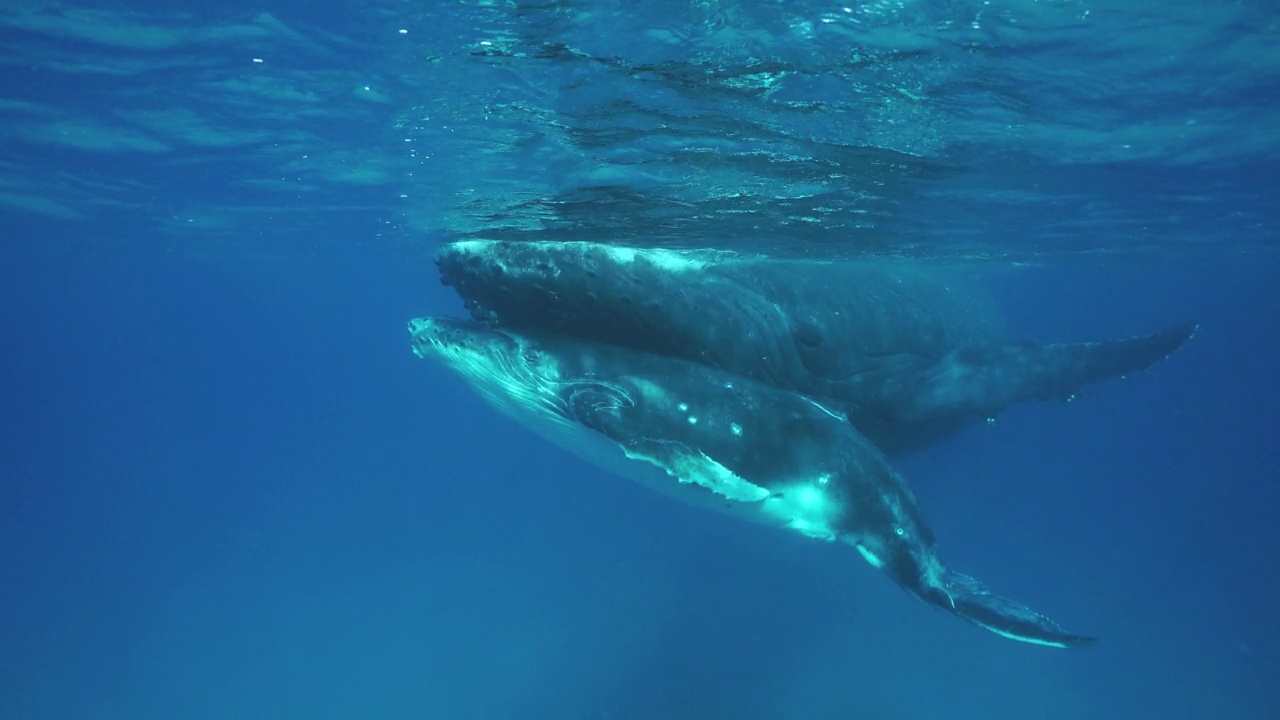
(480, 355)
(535, 381)
(514, 376)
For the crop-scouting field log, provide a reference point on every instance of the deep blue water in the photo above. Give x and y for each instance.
(228, 489)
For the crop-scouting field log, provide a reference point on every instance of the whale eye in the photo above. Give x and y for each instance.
(808, 334)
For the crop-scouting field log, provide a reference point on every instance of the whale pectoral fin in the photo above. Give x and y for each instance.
(981, 380)
(972, 601)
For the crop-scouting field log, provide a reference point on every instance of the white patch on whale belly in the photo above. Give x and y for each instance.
(805, 507)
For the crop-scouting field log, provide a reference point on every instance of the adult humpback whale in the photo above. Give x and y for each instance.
(909, 359)
(717, 439)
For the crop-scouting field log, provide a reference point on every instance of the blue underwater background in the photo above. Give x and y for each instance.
(229, 490)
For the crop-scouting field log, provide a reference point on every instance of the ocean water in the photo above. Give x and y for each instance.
(229, 490)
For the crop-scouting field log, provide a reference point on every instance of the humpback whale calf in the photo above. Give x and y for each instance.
(908, 357)
(718, 439)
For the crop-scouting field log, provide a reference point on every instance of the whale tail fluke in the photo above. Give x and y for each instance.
(971, 600)
(983, 379)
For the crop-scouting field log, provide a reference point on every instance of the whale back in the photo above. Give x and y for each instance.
(793, 323)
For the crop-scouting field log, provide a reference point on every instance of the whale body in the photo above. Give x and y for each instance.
(907, 357)
(723, 441)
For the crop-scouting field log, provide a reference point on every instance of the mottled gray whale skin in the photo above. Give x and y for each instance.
(716, 439)
(908, 358)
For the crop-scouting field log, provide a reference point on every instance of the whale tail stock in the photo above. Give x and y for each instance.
(1057, 371)
(984, 379)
